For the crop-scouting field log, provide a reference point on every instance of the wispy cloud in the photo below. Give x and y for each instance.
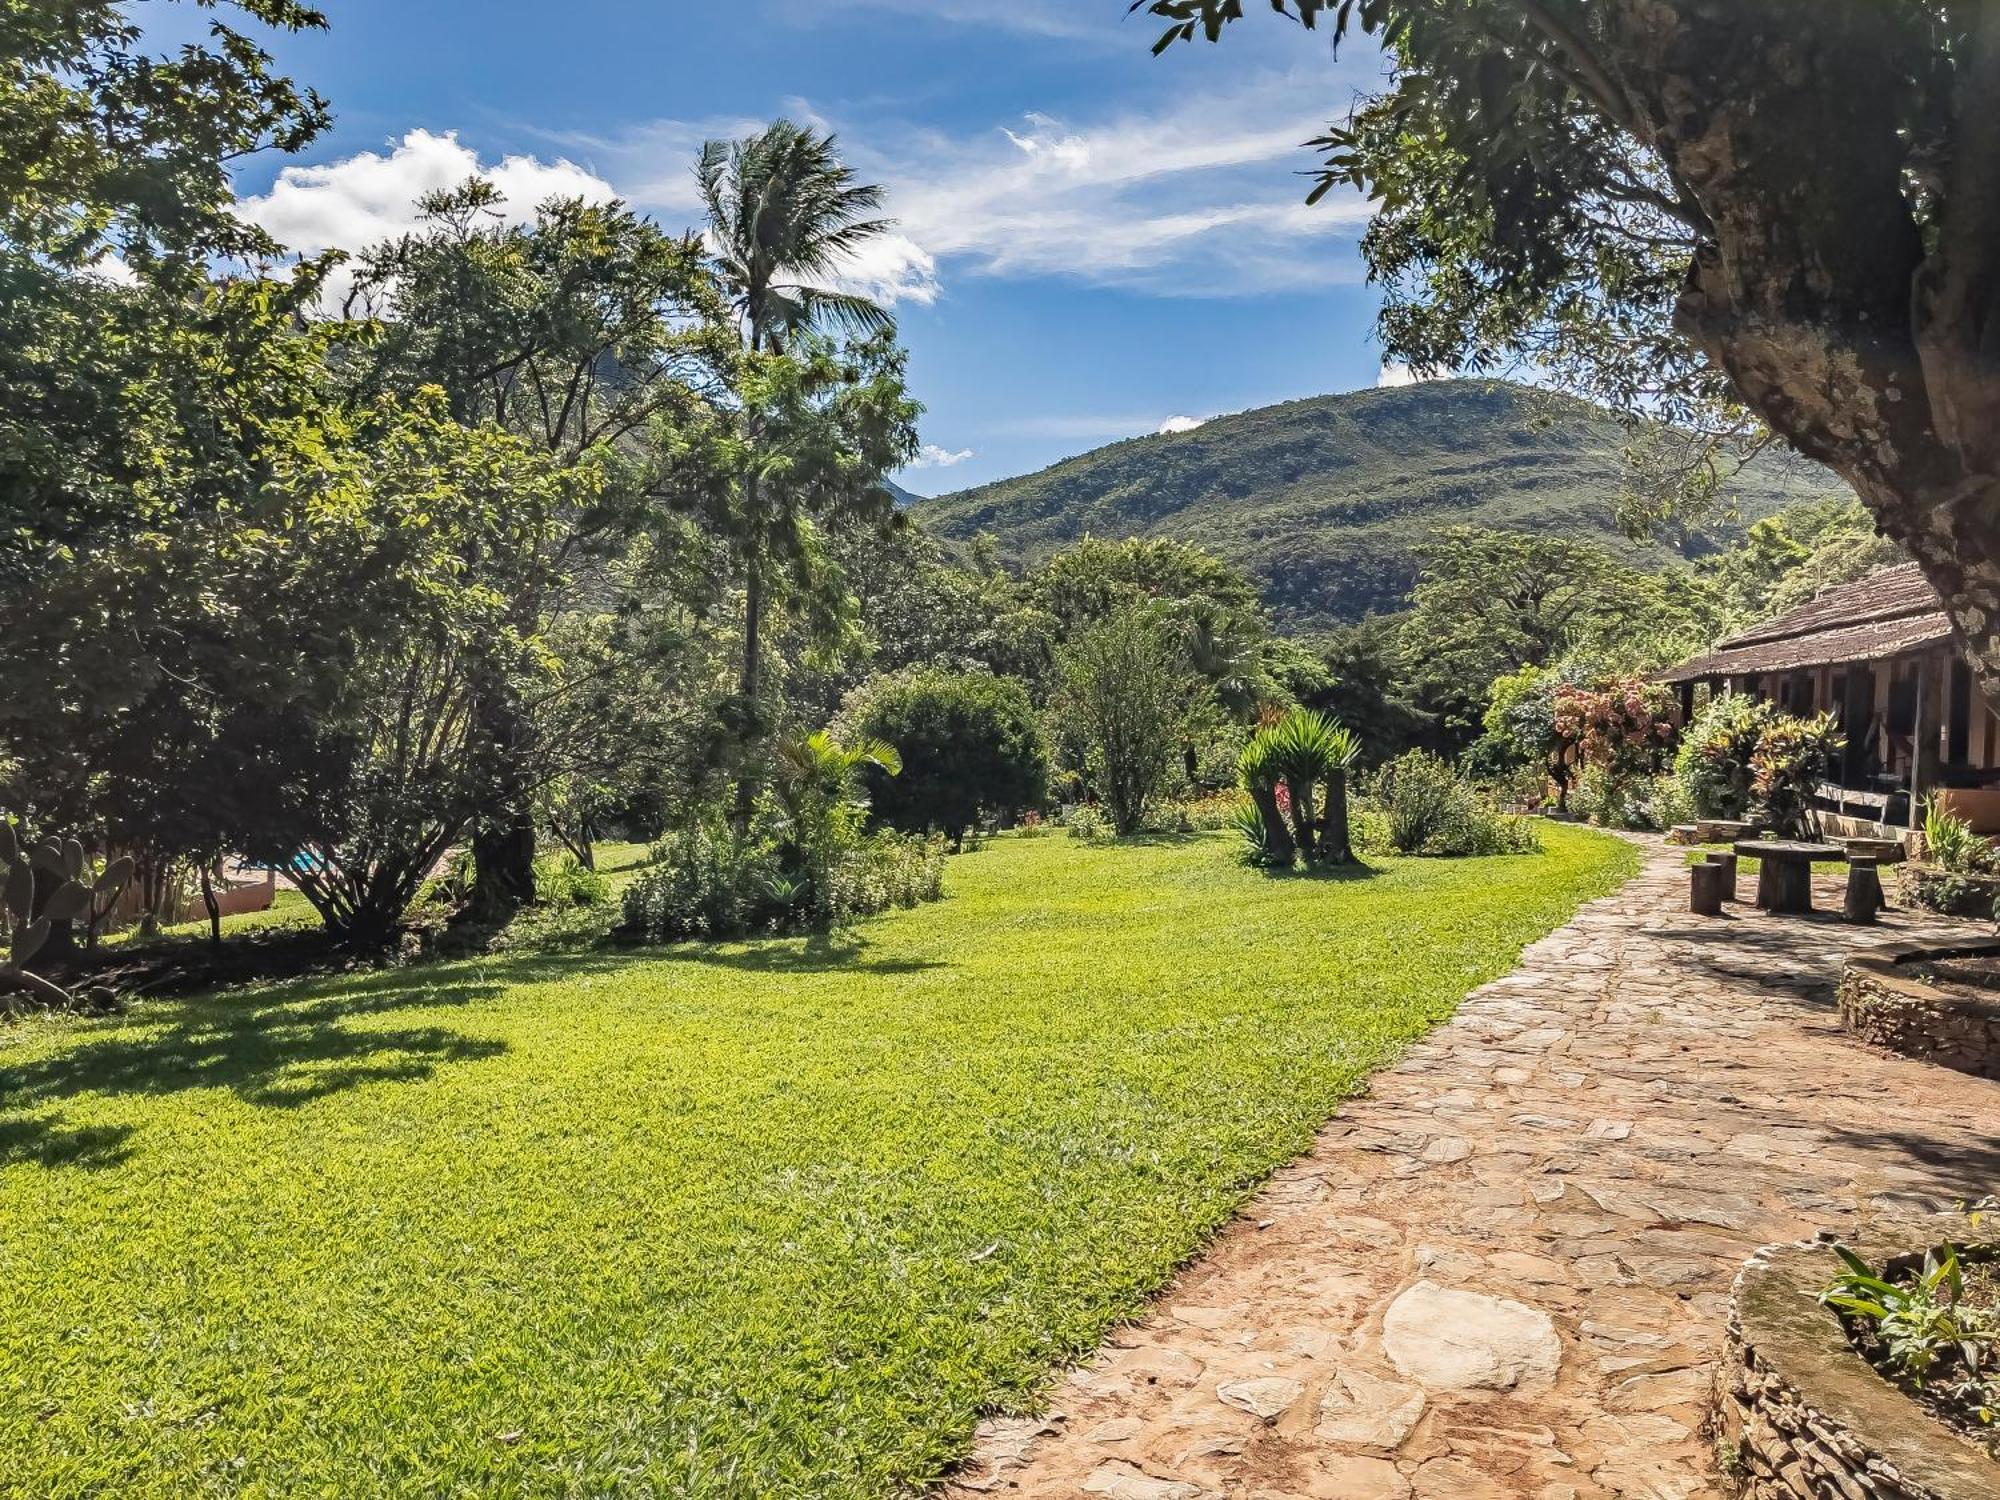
(1073, 19)
(1201, 193)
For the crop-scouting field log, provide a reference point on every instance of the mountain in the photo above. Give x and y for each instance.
(1323, 500)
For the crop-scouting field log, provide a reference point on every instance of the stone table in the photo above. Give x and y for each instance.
(1784, 876)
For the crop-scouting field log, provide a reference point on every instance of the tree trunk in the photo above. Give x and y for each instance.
(1279, 847)
(1302, 816)
(503, 842)
(750, 688)
(1336, 845)
(214, 908)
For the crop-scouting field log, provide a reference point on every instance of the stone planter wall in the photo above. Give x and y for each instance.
(1937, 890)
(1882, 1001)
(1801, 1416)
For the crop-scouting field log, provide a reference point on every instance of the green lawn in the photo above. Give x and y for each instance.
(772, 1218)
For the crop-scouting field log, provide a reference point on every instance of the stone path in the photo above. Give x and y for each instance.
(1505, 1271)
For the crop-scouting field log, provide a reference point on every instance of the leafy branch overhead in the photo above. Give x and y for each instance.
(1715, 213)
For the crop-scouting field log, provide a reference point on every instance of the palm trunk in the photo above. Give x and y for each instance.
(1279, 846)
(1335, 843)
(750, 688)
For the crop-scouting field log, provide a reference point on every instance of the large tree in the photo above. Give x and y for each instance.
(581, 332)
(1788, 207)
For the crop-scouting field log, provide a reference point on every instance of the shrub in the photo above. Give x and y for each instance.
(1085, 822)
(970, 744)
(1199, 814)
(1124, 699)
(1426, 808)
(1793, 756)
(1668, 803)
(563, 881)
(706, 882)
(1713, 764)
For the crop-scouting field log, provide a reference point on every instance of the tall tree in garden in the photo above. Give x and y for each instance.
(785, 216)
(115, 204)
(582, 332)
(1764, 212)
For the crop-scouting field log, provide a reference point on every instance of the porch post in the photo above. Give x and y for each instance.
(1923, 757)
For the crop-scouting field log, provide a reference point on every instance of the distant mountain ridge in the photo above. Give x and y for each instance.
(1323, 500)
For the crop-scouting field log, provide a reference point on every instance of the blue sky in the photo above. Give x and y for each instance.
(1093, 242)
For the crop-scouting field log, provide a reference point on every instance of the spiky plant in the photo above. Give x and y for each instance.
(65, 895)
(1258, 770)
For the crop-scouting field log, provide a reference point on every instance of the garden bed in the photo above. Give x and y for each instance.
(1937, 1003)
(1951, 894)
(1800, 1409)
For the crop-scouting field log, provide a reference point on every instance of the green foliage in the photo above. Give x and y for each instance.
(1325, 502)
(970, 743)
(803, 862)
(1124, 697)
(1295, 770)
(41, 886)
(1086, 823)
(566, 881)
(786, 213)
(1923, 1328)
(1951, 845)
(1713, 762)
(1793, 757)
(694, 1171)
(1430, 810)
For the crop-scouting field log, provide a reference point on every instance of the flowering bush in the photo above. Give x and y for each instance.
(1615, 730)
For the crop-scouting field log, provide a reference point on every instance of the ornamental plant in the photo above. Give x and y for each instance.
(1713, 764)
(1282, 767)
(1793, 756)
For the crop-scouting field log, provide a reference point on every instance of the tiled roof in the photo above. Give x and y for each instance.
(1884, 614)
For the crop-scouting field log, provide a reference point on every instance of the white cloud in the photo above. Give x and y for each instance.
(364, 199)
(931, 456)
(1395, 373)
(1182, 424)
(889, 269)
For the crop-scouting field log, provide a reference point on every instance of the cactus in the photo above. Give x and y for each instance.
(70, 893)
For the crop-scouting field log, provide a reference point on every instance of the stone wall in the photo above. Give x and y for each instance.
(1800, 1416)
(1882, 1001)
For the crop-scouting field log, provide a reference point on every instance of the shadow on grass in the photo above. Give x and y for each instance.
(821, 953)
(47, 1143)
(1336, 873)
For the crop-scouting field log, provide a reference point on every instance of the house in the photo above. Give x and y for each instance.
(1878, 655)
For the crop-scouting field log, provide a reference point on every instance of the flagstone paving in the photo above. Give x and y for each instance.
(1505, 1271)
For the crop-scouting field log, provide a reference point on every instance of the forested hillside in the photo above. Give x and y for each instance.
(1322, 500)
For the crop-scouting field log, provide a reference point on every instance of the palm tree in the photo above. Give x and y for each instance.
(784, 213)
(1300, 750)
